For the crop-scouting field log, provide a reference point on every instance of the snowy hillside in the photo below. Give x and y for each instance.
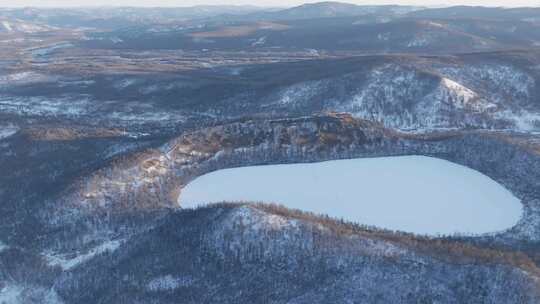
(20, 26)
(422, 96)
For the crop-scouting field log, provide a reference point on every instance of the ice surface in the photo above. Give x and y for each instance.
(414, 193)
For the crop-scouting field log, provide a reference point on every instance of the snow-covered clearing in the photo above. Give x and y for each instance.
(414, 193)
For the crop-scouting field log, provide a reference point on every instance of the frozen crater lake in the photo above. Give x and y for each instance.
(416, 194)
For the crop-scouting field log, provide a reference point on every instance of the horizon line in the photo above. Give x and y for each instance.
(250, 5)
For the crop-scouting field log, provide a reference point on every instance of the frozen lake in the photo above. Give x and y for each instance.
(413, 193)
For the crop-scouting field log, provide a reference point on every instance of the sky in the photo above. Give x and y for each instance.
(273, 3)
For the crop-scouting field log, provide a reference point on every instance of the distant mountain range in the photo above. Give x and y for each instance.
(318, 27)
(332, 10)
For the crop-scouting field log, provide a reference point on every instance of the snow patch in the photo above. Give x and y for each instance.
(142, 117)
(501, 82)
(33, 28)
(11, 294)
(168, 282)
(7, 131)
(257, 220)
(298, 93)
(419, 41)
(3, 246)
(260, 41)
(44, 107)
(19, 76)
(313, 52)
(383, 36)
(17, 25)
(122, 84)
(463, 97)
(47, 50)
(435, 24)
(116, 40)
(7, 26)
(464, 94)
(69, 261)
(26, 77)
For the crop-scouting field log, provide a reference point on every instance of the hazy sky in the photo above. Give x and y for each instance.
(283, 3)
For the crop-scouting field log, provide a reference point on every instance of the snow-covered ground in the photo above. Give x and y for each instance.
(415, 194)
